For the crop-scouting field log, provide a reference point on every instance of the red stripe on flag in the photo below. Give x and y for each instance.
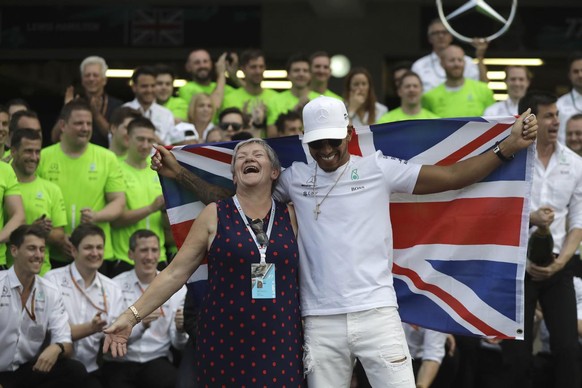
(180, 231)
(354, 145)
(454, 303)
(490, 220)
(210, 153)
(473, 145)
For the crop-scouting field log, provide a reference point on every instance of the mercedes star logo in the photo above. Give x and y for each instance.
(482, 7)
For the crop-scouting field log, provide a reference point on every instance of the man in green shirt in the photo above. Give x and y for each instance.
(143, 209)
(296, 97)
(457, 96)
(320, 67)
(410, 93)
(164, 92)
(12, 212)
(120, 118)
(199, 66)
(88, 175)
(251, 98)
(43, 200)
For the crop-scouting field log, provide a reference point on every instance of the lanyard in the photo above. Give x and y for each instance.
(262, 247)
(142, 291)
(30, 312)
(104, 309)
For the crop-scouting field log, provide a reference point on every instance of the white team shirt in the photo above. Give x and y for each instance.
(102, 293)
(381, 109)
(155, 341)
(161, 117)
(424, 343)
(568, 105)
(502, 108)
(346, 254)
(21, 338)
(560, 187)
(432, 73)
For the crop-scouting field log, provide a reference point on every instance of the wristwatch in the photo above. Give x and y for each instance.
(497, 151)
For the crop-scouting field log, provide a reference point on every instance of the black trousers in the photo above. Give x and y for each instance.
(557, 298)
(158, 373)
(65, 373)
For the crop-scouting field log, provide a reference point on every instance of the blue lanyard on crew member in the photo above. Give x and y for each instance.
(262, 247)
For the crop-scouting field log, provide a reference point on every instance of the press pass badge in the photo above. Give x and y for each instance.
(263, 284)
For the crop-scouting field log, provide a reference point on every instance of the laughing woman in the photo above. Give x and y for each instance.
(249, 331)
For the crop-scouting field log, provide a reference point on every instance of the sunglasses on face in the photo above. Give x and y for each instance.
(235, 126)
(319, 144)
(257, 227)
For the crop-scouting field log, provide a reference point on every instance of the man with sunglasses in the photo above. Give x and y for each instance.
(232, 121)
(348, 300)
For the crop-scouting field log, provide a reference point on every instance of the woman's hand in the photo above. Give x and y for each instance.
(117, 334)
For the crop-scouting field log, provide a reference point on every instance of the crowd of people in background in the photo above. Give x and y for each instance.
(84, 229)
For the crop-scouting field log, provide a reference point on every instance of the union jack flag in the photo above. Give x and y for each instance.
(157, 27)
(459, 256)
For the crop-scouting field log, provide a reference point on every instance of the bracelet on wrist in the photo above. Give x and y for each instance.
(135, 314)
(497, 151)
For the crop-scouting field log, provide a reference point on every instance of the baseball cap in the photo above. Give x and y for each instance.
(184, 132)
(324, 118)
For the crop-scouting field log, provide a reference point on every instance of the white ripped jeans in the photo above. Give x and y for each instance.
(376, 337)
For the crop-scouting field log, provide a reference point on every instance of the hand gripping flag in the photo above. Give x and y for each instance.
(459, 256)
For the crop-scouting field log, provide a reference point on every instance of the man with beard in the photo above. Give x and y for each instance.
(199, 66)
(517, 79)
(457, 96)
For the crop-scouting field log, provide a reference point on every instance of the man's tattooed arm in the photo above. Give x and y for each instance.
(205, 191)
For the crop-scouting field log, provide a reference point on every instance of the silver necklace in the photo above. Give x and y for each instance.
(316, 211)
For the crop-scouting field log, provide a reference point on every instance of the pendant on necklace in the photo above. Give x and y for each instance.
(316, 211)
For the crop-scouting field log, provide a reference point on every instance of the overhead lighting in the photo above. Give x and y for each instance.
(495, 75)
(178, 83)
(500, 96)
(497, 85)
(340, 66)
(512, 61)
(266, 74)
(276, 84)
(119, 73)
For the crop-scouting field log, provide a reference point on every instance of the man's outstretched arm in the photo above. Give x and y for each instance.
(165, 163)
(435, 179)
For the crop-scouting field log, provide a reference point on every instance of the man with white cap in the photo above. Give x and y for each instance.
(345, 240)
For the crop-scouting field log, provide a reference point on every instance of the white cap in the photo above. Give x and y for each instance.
(184, 131)
(324, 118)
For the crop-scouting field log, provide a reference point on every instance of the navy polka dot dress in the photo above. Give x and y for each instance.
(246, 342)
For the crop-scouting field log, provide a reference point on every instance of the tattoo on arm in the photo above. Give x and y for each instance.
(207, 192)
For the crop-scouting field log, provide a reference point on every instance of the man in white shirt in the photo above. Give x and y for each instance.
(91, 299)
(571, 103)
(345, 239)
(32, 313)
(429, 67)
(143, 83)
(556, 202)
(517, 79)
(149, 361)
